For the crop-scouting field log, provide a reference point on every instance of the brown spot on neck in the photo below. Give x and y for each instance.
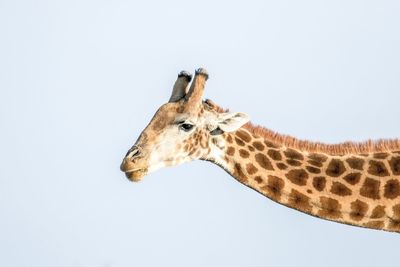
(317, 159)
(392, 189)
(394, 223)
(244, 153)
(251, 169)
(297, 176)
(230, 151)
(358, 210)
(243, 135)
(340, 189)
(264, 162)
(274, 154)
(315, 163)
(299, 201)
(274, 187)
(377, 168)
(378, 212)
(352, 178)
(258, 145)
(258, 179)
(335, 168)
(355, 163)
(238, 173)
(313, 170)
(281, 166)
(319, 183)
(293, 162)
(270, 144)
(293, 154)
(370, 188)
(239, 142)
(330, 208)
(395, 165)
(396, 212)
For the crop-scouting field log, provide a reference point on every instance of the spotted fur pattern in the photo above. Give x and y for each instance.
(358, 189)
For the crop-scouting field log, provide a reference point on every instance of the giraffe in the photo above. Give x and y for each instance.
(351, 183)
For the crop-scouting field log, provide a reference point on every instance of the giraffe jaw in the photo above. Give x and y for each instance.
(136, 175)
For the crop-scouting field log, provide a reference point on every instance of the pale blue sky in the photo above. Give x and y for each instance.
(79, 80)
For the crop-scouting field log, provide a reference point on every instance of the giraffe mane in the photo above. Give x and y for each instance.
(369, 146)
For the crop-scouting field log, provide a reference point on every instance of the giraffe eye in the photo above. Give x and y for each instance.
(186, 127)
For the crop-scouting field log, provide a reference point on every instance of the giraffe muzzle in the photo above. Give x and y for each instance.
(136, 175)
(133, 171)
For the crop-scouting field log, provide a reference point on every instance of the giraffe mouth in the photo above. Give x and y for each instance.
(136, 175)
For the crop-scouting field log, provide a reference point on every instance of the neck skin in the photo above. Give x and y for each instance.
(351, 188)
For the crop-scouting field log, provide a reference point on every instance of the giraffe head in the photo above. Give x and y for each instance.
(184, 129)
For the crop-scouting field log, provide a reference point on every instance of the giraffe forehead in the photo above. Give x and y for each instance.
(198, 116)
(165, 115)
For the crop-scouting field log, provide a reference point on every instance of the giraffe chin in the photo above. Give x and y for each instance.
(136, 175)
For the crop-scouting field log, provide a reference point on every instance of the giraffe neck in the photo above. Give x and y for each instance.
(356, 189)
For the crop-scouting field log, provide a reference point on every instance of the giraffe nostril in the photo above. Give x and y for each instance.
(134, 152)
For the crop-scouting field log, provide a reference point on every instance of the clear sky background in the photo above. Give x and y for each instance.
(79, 80)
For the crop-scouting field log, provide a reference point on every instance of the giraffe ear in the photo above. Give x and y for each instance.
(231, 121)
